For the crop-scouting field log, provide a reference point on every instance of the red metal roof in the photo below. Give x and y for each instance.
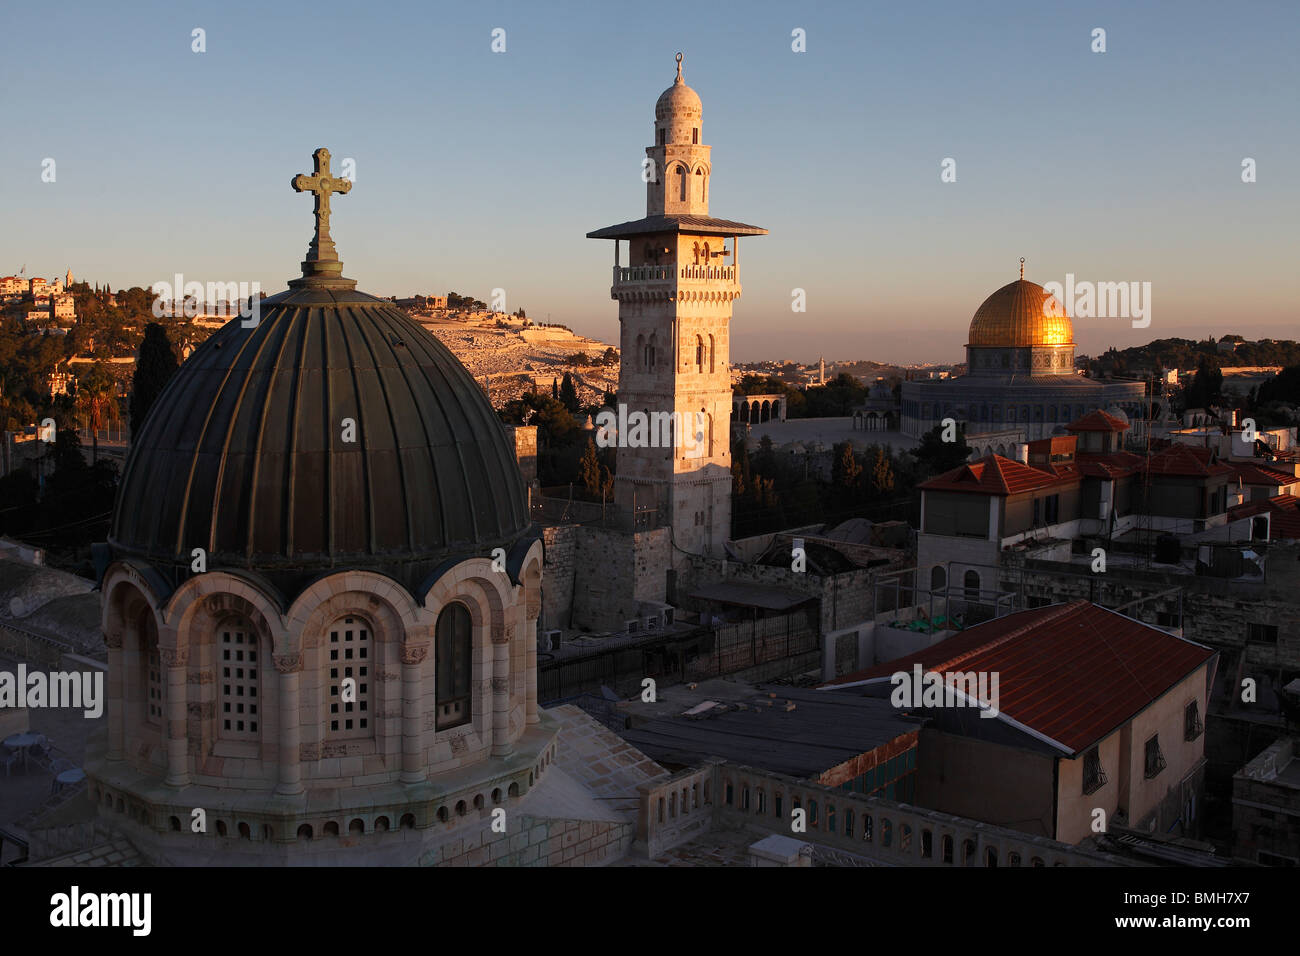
(995, 475)
(1097, 421)
(1072, 673)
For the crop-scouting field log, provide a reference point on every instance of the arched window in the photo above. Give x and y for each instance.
(681, 182)
(651, 349)
(453, 666)
(641, 354)
(349, 683)
(240, 705)
(712, 367)
(699, 353)
(938, 578)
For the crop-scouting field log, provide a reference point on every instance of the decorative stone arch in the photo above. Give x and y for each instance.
(391, 609)
(201, 610)
(218, 593)
(130, 606)
(491, 601)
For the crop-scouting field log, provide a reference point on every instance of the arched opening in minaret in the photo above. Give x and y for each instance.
(699, 353)
(695, 136)
(712, 367)
(681, 182)
(699, 188)
(641, 351)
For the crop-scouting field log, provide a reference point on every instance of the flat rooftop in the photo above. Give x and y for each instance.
(801, 732)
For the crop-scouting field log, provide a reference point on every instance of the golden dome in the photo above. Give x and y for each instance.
(1020, 314)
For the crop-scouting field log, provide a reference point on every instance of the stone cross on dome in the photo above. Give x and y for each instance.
(322, 258)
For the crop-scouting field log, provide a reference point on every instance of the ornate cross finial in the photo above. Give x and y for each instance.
(1022, 267)
(679, 69)
(322, 259)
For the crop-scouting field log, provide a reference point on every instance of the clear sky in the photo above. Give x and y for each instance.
(477, 170)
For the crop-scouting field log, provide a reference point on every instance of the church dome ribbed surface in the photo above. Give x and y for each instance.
(1020, 314)
(244, 455)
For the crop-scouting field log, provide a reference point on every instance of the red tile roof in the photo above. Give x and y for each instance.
(1187, 461)
(1115, 464)
(1071, 673)
(995, 475)
(1284, 509)
(1097, 421)
(1253, 474)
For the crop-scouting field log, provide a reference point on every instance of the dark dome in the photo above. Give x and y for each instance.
(242, 454)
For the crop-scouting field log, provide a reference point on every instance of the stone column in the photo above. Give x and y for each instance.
(177, 738)
(413, 656)
(501, 635)
(116, 701)
(530, 652)
(288, 668)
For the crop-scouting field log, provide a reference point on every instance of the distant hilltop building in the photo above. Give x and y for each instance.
(1020, 360)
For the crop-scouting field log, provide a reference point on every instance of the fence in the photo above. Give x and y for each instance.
(681, 807)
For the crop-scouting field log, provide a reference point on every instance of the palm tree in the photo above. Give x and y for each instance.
(97, 403)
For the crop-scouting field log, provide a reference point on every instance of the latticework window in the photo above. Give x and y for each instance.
(239, 682)
(349, 650)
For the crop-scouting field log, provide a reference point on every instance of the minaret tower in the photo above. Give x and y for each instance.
(674, 310)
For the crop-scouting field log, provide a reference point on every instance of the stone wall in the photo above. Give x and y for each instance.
(559, 545)
(538, 842)
(617, 572)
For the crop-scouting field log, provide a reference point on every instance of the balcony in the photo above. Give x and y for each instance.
(682, 275)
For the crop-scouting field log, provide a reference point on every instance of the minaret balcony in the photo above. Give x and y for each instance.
(668, 274)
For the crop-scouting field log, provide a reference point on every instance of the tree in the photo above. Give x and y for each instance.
(97, 403)
(154, 368)
(569, 394)
(1207, 385)
(846, 472)
(935, 456)
(882, 473)
(589, 470)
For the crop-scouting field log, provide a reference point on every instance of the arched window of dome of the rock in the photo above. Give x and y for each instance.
(151, 669)
(350, 656)
(454, 663)
(240, 668)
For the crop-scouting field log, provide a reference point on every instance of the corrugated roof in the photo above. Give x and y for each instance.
(752, 595)
(705, 225)
(1071, 673)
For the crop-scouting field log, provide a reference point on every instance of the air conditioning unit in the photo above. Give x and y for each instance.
(668, 616)
(551, 640)
(633, 627)
(652, 623)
